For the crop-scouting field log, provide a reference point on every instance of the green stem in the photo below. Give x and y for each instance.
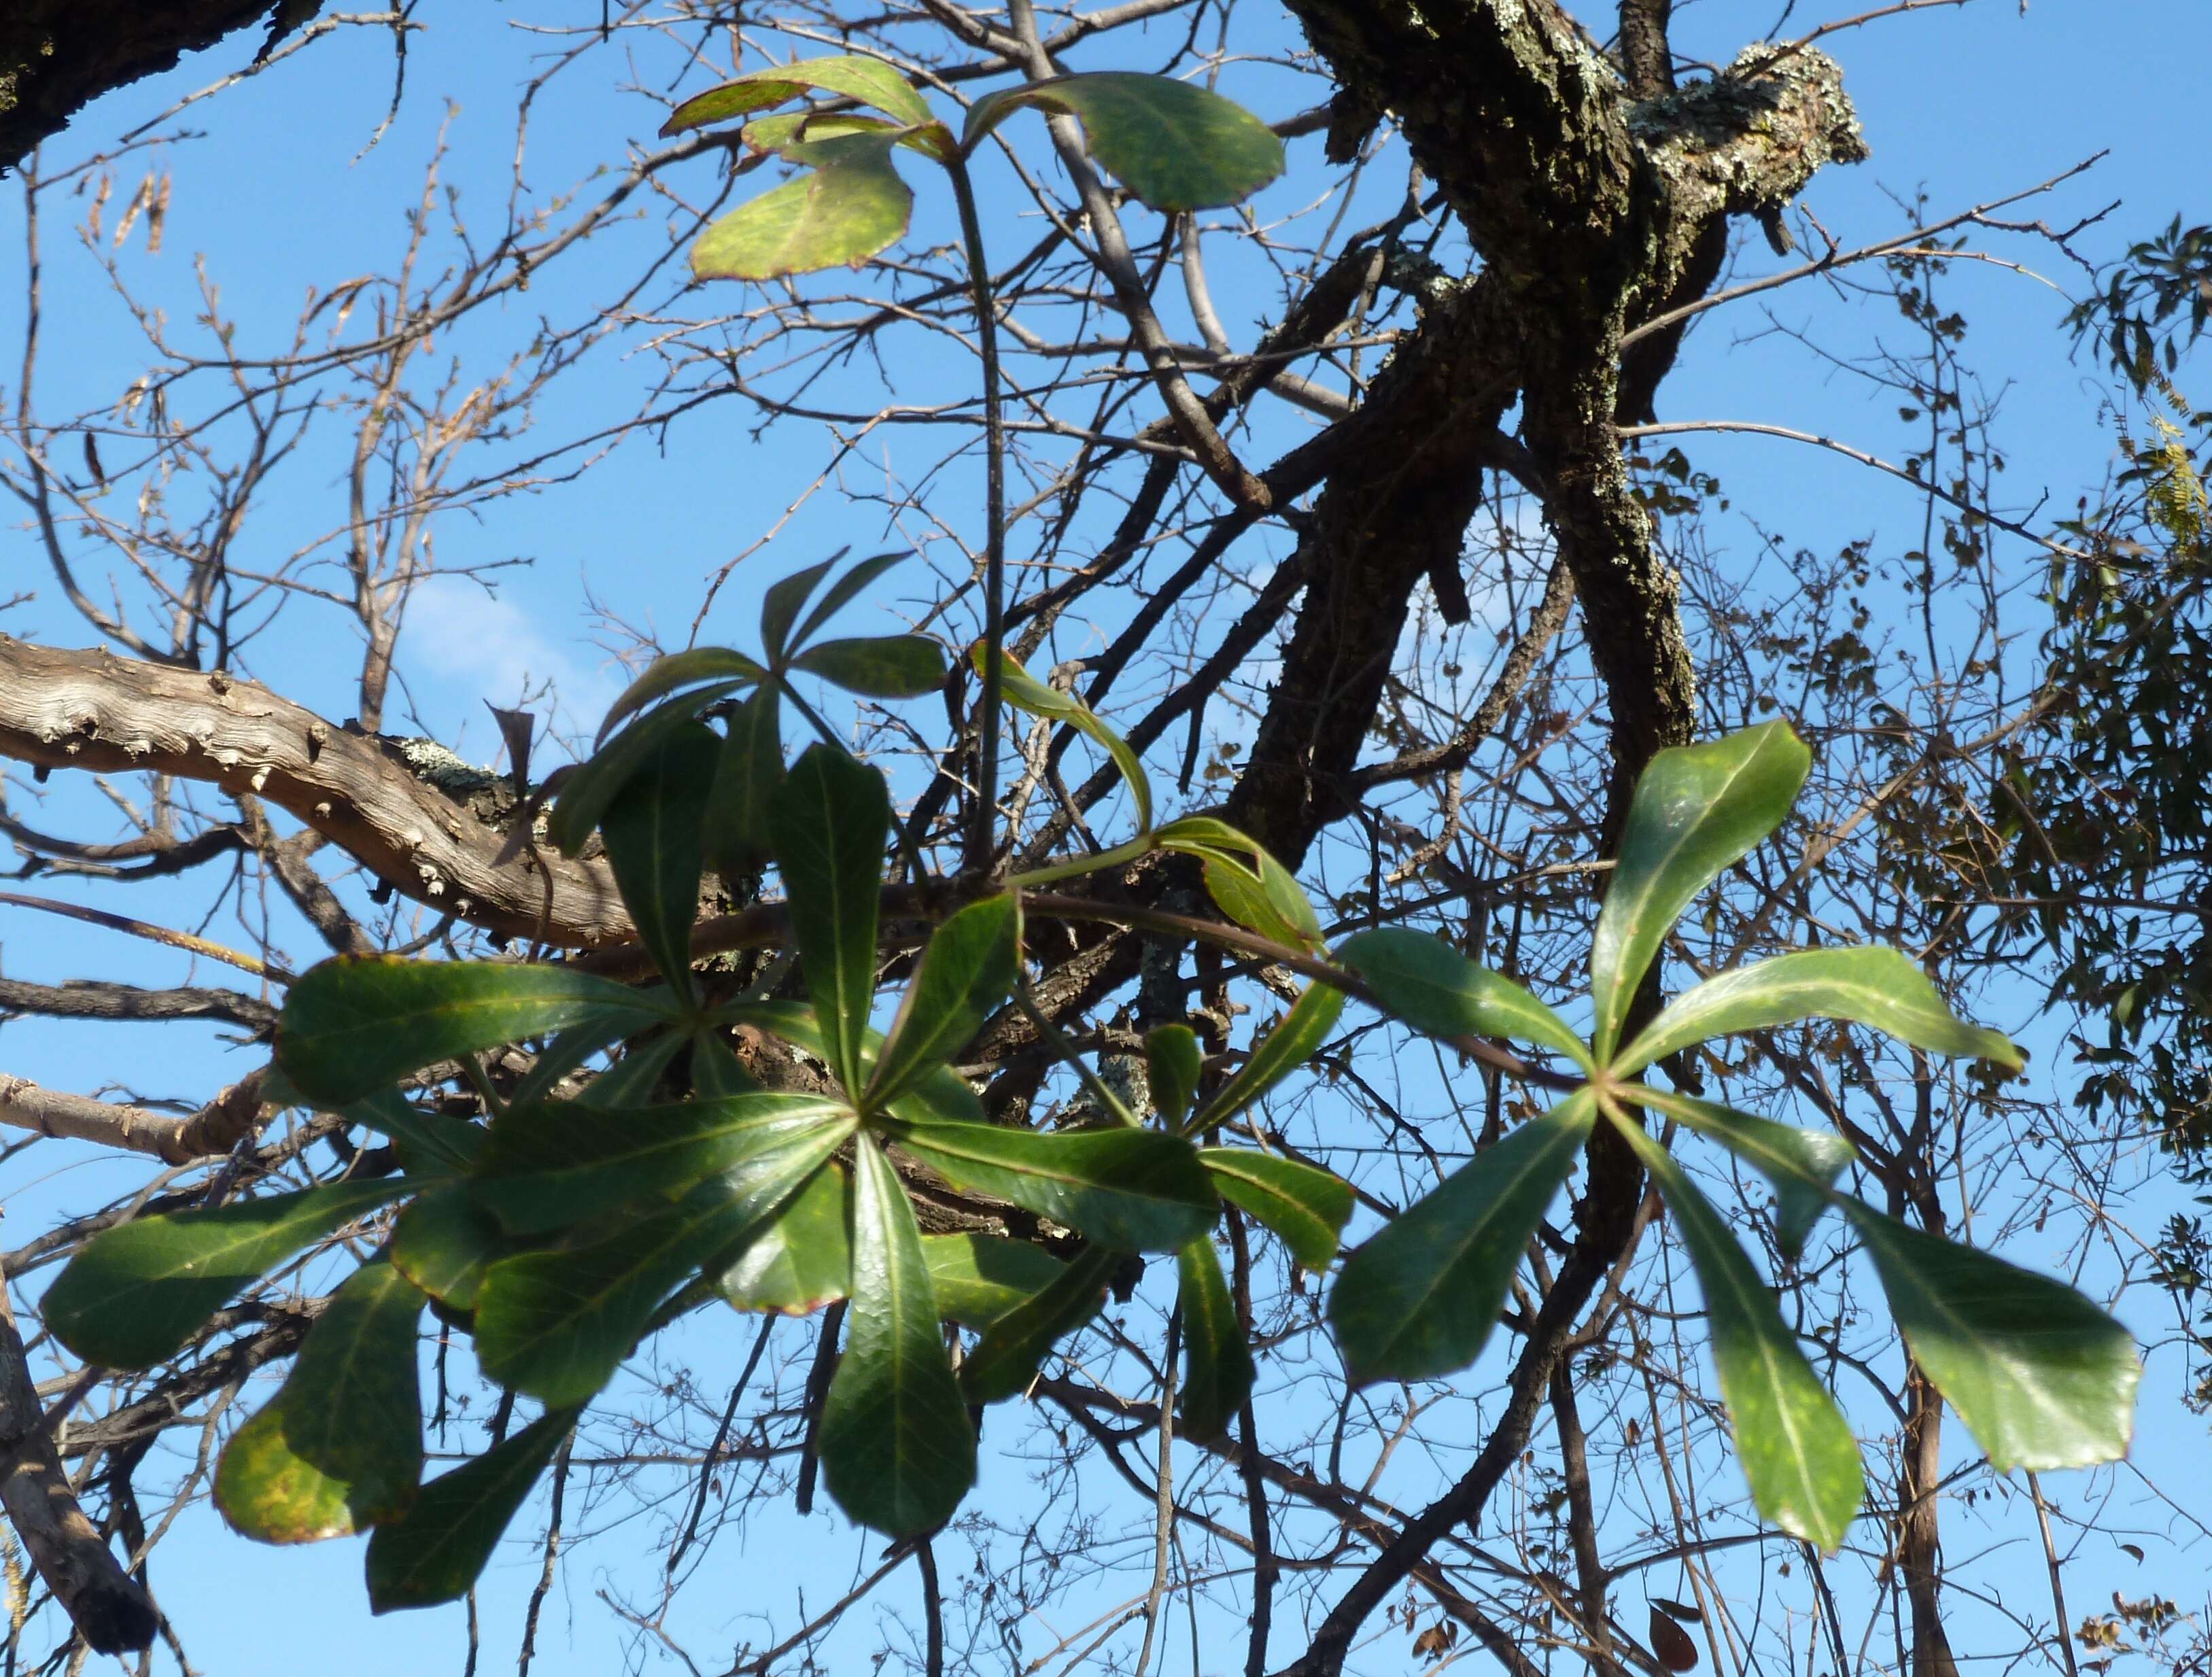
(981, 831)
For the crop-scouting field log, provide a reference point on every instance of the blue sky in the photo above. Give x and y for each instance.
(1966, 104)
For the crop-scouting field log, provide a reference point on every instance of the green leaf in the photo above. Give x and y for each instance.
(1135, 1190)
(1173, 1066)
(802, 1260)
(1802, 1164)
(847, 588)
(593, 785)
(354, 1025)
(879, 666)
(2041, 1376)
(676, 671)
(563, 1056)
(898, 1452)
(853, 204)
(829, 826)
(939, 1095)
(428, 1144)
(1246, 882)
(138, 1291)
(979, 1278)
(1419, 1299)
(1869, 985)
(445, 1243)
(870, 81)
(1025, 692)
(1217, 1357)
(1796, 1447)
(267, 1492)
(1697, 810)
(1282, 1051)
(1005, 1360)
(567, 1162)
(1433, 988)
(655, 835)
(1176, 146)
(967, 970)
(630, 1081)
(715, 1071)
(558, 1324)
(786, 598)
(435, 1553)
(748, 784)
(1306, 1206)
(341, 1449)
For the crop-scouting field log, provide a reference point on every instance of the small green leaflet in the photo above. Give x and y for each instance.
(1025, 692)
(852, 205)
(968, 969)
(1005, 1359)
(1797, 1451)
(1802, 1164)
(138, 1291)
(1217, 1357)
(830, 827)
(1866, 985)
(1136, 1190)
(1175, 145)
(870, 81)
(1697, 810)
(897, 1451)
(1433, 988)
(878, 666)
(1286, 1048)
(1419, 1299)
(655, 833)
(354, 1025)
(435, 1553)
(1306, 1207)
(804, 1258)
(979, 1278)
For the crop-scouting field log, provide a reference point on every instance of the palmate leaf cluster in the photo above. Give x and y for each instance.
(567, 1229)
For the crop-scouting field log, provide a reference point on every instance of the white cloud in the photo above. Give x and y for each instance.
(461, 645)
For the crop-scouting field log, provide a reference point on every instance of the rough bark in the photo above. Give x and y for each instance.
(107, 1606)
(91, 710)
(57, 56)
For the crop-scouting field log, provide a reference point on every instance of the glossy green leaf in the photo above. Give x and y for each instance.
(1433, 988)
(1026, 693)
(897, 1451)
(567, 1162)
(589, 789)
(1306, 1205)
(870, 81)
(878, 666)
(853, 204)
(1796, 1447)
(1869, 985)
(655, 835)
(1246, 882)
(354, 1025)
(804, 1258)
(1217, 1356)
(748, 784)
(445, 1243)
(1419, 1299)
(1136, 1190)
(558, 1324)
(938, 1095)
(1282, 1051)
(138, 1291)
(565, 1054)
(674, 671)
(1005, 1359)
(1173, 1066)
(2041, 1376)
(830, 827)
(1175, 145)
(979, 1278)
(780, 133)
(1802, 1164)
(344, 1447)
(1697, 810)
(967, 969)
(435, 1553)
